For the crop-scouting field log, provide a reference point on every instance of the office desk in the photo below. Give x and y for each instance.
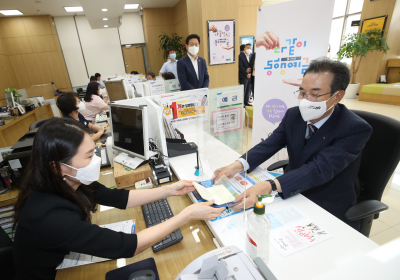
(346, 245)
(17, 126)
(197, 240)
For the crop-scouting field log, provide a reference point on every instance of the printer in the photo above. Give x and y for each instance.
(226, 263)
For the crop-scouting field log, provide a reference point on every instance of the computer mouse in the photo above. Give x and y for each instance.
(147, 274)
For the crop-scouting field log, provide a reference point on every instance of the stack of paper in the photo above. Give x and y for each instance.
(219, 193)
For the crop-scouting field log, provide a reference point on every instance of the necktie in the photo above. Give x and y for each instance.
(312, 129)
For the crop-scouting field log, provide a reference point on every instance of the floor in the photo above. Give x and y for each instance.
(387, 227)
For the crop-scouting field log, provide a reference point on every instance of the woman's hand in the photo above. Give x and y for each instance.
(181, 187)
(202, 211)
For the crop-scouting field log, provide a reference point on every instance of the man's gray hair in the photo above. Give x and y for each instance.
(341, 74)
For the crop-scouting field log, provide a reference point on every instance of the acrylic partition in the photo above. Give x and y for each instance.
(172, 86)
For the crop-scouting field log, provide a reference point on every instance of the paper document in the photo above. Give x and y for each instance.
(292, 231)
(217, 192)
(77, 259)
(129, 161)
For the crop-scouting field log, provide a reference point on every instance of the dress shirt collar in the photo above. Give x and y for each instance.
(191, 58)
(319, 123)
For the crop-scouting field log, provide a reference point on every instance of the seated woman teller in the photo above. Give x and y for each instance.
(94, 102)
(59, 193)
(71, 107)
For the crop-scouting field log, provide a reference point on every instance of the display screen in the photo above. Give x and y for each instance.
(127, 125)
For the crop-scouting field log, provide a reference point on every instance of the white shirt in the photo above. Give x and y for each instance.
(195, 65)
(248, 57)
(318, 125)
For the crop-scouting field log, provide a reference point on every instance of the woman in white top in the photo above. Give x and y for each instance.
(93, 102)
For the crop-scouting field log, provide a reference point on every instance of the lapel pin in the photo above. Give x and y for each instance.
(323, 138)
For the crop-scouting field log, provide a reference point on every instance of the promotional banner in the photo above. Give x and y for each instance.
(289, 36)
(221, 41)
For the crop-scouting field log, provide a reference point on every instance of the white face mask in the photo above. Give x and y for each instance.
(81, 107)
(193, 50)
(89, 173)
(248, 51)
(313, 110)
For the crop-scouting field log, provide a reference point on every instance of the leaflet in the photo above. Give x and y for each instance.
(292, 231)
(77, 259)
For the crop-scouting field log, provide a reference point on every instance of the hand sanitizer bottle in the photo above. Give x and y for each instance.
(257, 232)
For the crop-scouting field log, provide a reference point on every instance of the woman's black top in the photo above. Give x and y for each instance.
(49, 227)
(81, 119)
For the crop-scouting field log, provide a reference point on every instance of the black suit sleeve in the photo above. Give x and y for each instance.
(63, 227)
(252, 60)
(206, 77)
(242, 67)
(328, 163)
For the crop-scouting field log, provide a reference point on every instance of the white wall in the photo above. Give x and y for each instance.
(71, 49)
(131, 30)
(101, 48)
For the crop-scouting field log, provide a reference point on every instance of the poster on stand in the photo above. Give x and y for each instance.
(285, 47)
(221, 41)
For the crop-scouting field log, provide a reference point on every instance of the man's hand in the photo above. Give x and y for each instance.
(228, 171)
(181, 187)
(248, 70)
(269, 40)
(228, 47)
(213, 28)
(251, 193)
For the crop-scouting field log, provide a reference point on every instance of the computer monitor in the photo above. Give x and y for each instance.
(129, 125)
(10, 100)
(116, 90)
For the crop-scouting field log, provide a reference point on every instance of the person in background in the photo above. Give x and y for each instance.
(170, 65)
(151, 76)
(53, 212)
(168, 76)
(93, 102)
(245, 71)
(98, 77)
(192, 69)
(135, 73)
(93, 79)
(71, 107)
(253, 72)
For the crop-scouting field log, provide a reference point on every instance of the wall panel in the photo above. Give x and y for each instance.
(8, 71)
(42, 43)
(36, 26)
(20, 70)
(32, 68)
(17, 45)
(56, 69)
(131, 29)
(12, 27)
(44, 68)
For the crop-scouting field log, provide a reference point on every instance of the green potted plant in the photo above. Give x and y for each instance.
(173, 41)
(14, 91)
(356, 46)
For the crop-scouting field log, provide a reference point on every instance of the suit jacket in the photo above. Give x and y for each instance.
(252, 61)
(325, 170)
(243, 65)
(187, 75)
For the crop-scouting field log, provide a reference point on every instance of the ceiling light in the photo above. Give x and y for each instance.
(105, 18)
(105, 25)
(104, 10)
(10, 12)
(73, 9)
(131, 6)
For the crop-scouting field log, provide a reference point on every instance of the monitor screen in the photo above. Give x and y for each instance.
(115, 90)
(127, 125)
(10, 100)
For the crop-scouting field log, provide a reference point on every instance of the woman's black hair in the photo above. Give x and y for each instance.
(168, 76)
(57, 141)
(93, 79)
(66, 102)
(91, 89)
(134, 72)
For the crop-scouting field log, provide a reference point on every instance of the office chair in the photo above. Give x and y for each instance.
(7, 269)
(37, 124)
(379, 159)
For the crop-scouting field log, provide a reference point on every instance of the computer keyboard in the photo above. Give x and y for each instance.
(157, 212)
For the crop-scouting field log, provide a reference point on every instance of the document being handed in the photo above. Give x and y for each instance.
(219, 193)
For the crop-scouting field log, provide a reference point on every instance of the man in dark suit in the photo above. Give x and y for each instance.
(192, 70)
(252, 72)
(324, 141)
(244, 71)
